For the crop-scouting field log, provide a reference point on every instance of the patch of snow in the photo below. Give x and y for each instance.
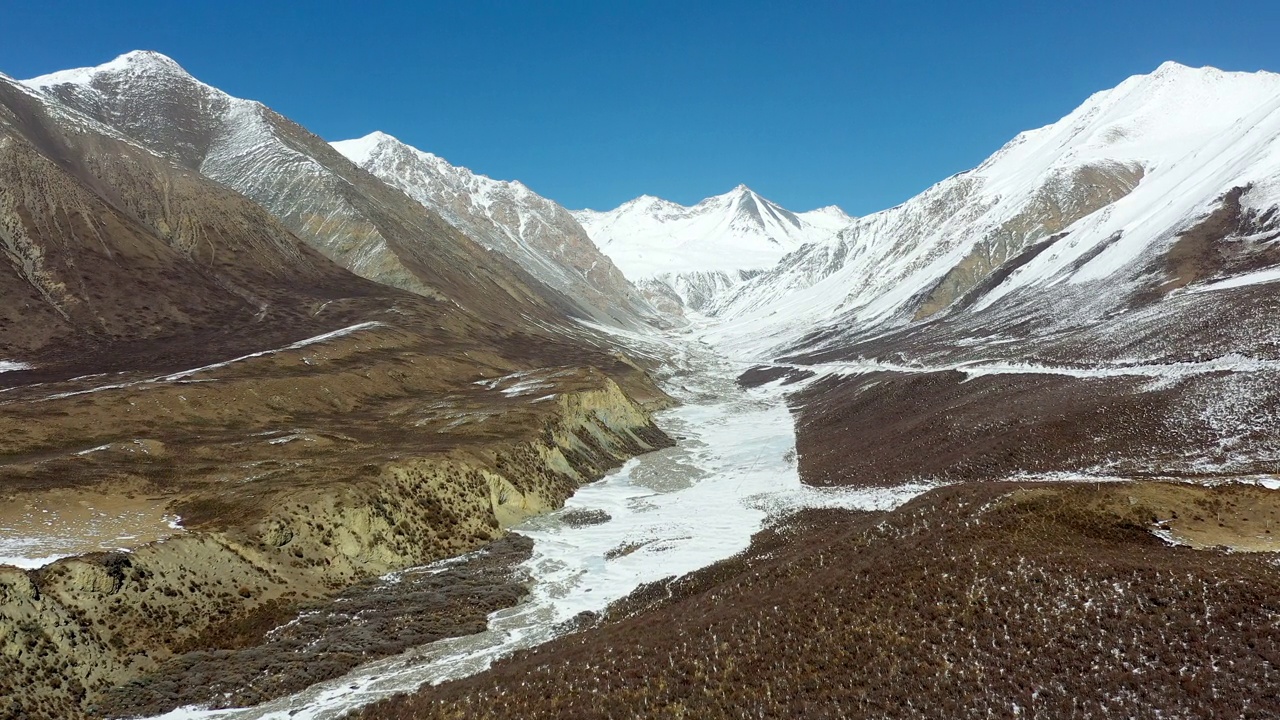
(1258, 277)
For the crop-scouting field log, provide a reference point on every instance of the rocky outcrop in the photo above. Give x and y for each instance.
(1064, 198)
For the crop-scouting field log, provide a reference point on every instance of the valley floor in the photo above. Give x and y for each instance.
(721, 577)
(993, 594)
(664, 514)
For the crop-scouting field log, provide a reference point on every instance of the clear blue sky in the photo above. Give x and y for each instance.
(862, 104)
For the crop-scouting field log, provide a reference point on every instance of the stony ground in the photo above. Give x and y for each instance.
(972, 601)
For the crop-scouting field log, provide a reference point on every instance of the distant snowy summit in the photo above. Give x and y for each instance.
(689, 254)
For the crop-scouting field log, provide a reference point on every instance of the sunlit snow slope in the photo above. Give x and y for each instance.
(1163, 185)
(691, 255)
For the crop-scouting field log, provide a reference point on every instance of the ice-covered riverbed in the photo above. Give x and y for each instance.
(670, 512)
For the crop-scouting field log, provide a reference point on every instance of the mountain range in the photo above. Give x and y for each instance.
(348, 214)
(335, 361)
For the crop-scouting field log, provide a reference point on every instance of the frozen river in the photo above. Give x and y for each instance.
(671, 512)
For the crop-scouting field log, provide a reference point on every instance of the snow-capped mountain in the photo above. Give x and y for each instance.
(1096, 206)
(351, 216)
(509, 218)
(106, 245)
(1099, 298)
(691, 255)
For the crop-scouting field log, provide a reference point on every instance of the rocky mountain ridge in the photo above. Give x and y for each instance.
(509, 218)
(350, 216)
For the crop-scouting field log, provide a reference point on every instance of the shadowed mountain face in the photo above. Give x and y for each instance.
(349, 215)
(111, 249)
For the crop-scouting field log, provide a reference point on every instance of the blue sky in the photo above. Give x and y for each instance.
(592, 103)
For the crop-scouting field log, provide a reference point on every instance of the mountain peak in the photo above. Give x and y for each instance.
(834, 212)
(147, 58)
(359, 150)
(136, 62)
(1170, 66)
(377, 137)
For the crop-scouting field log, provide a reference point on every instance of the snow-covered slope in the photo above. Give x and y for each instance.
(507, 217)
(1090, 211)
(693, 254)
(1097, 299)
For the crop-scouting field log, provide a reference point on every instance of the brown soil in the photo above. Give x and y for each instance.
(765, 374)
(76, 522)
(971, 601)
(886, 429)
(1230, 240)
(1236, 517)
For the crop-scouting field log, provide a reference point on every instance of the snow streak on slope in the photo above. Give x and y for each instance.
(1086, 199)
(507, 217)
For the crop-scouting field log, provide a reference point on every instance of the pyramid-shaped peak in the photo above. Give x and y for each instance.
(377, 137)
